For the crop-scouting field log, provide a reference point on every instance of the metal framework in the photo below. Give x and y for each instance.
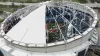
(72, 23)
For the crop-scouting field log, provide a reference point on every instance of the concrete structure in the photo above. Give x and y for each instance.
(49, 29)
(93, 4)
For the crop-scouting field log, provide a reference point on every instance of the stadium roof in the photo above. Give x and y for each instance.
(31, 29)
(34, 29)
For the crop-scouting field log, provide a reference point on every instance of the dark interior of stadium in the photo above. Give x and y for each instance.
(1, 54)
(65, 22)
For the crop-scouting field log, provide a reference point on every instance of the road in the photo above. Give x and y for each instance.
(15, 3)
(92, 4)
(98, 28)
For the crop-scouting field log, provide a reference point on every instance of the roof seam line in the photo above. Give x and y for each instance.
(23, 36)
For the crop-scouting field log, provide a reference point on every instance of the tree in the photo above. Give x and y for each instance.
(98, 1)
(13, 5)
(1, 11)
(4, 0)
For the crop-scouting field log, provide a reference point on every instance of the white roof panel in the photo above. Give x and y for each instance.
(31, 29)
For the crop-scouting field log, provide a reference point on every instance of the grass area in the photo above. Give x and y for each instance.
(75, 0)
(10, 8)
(1, 20)
(93, 1)
(80, 1)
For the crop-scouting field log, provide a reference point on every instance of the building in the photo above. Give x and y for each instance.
(49, 29)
